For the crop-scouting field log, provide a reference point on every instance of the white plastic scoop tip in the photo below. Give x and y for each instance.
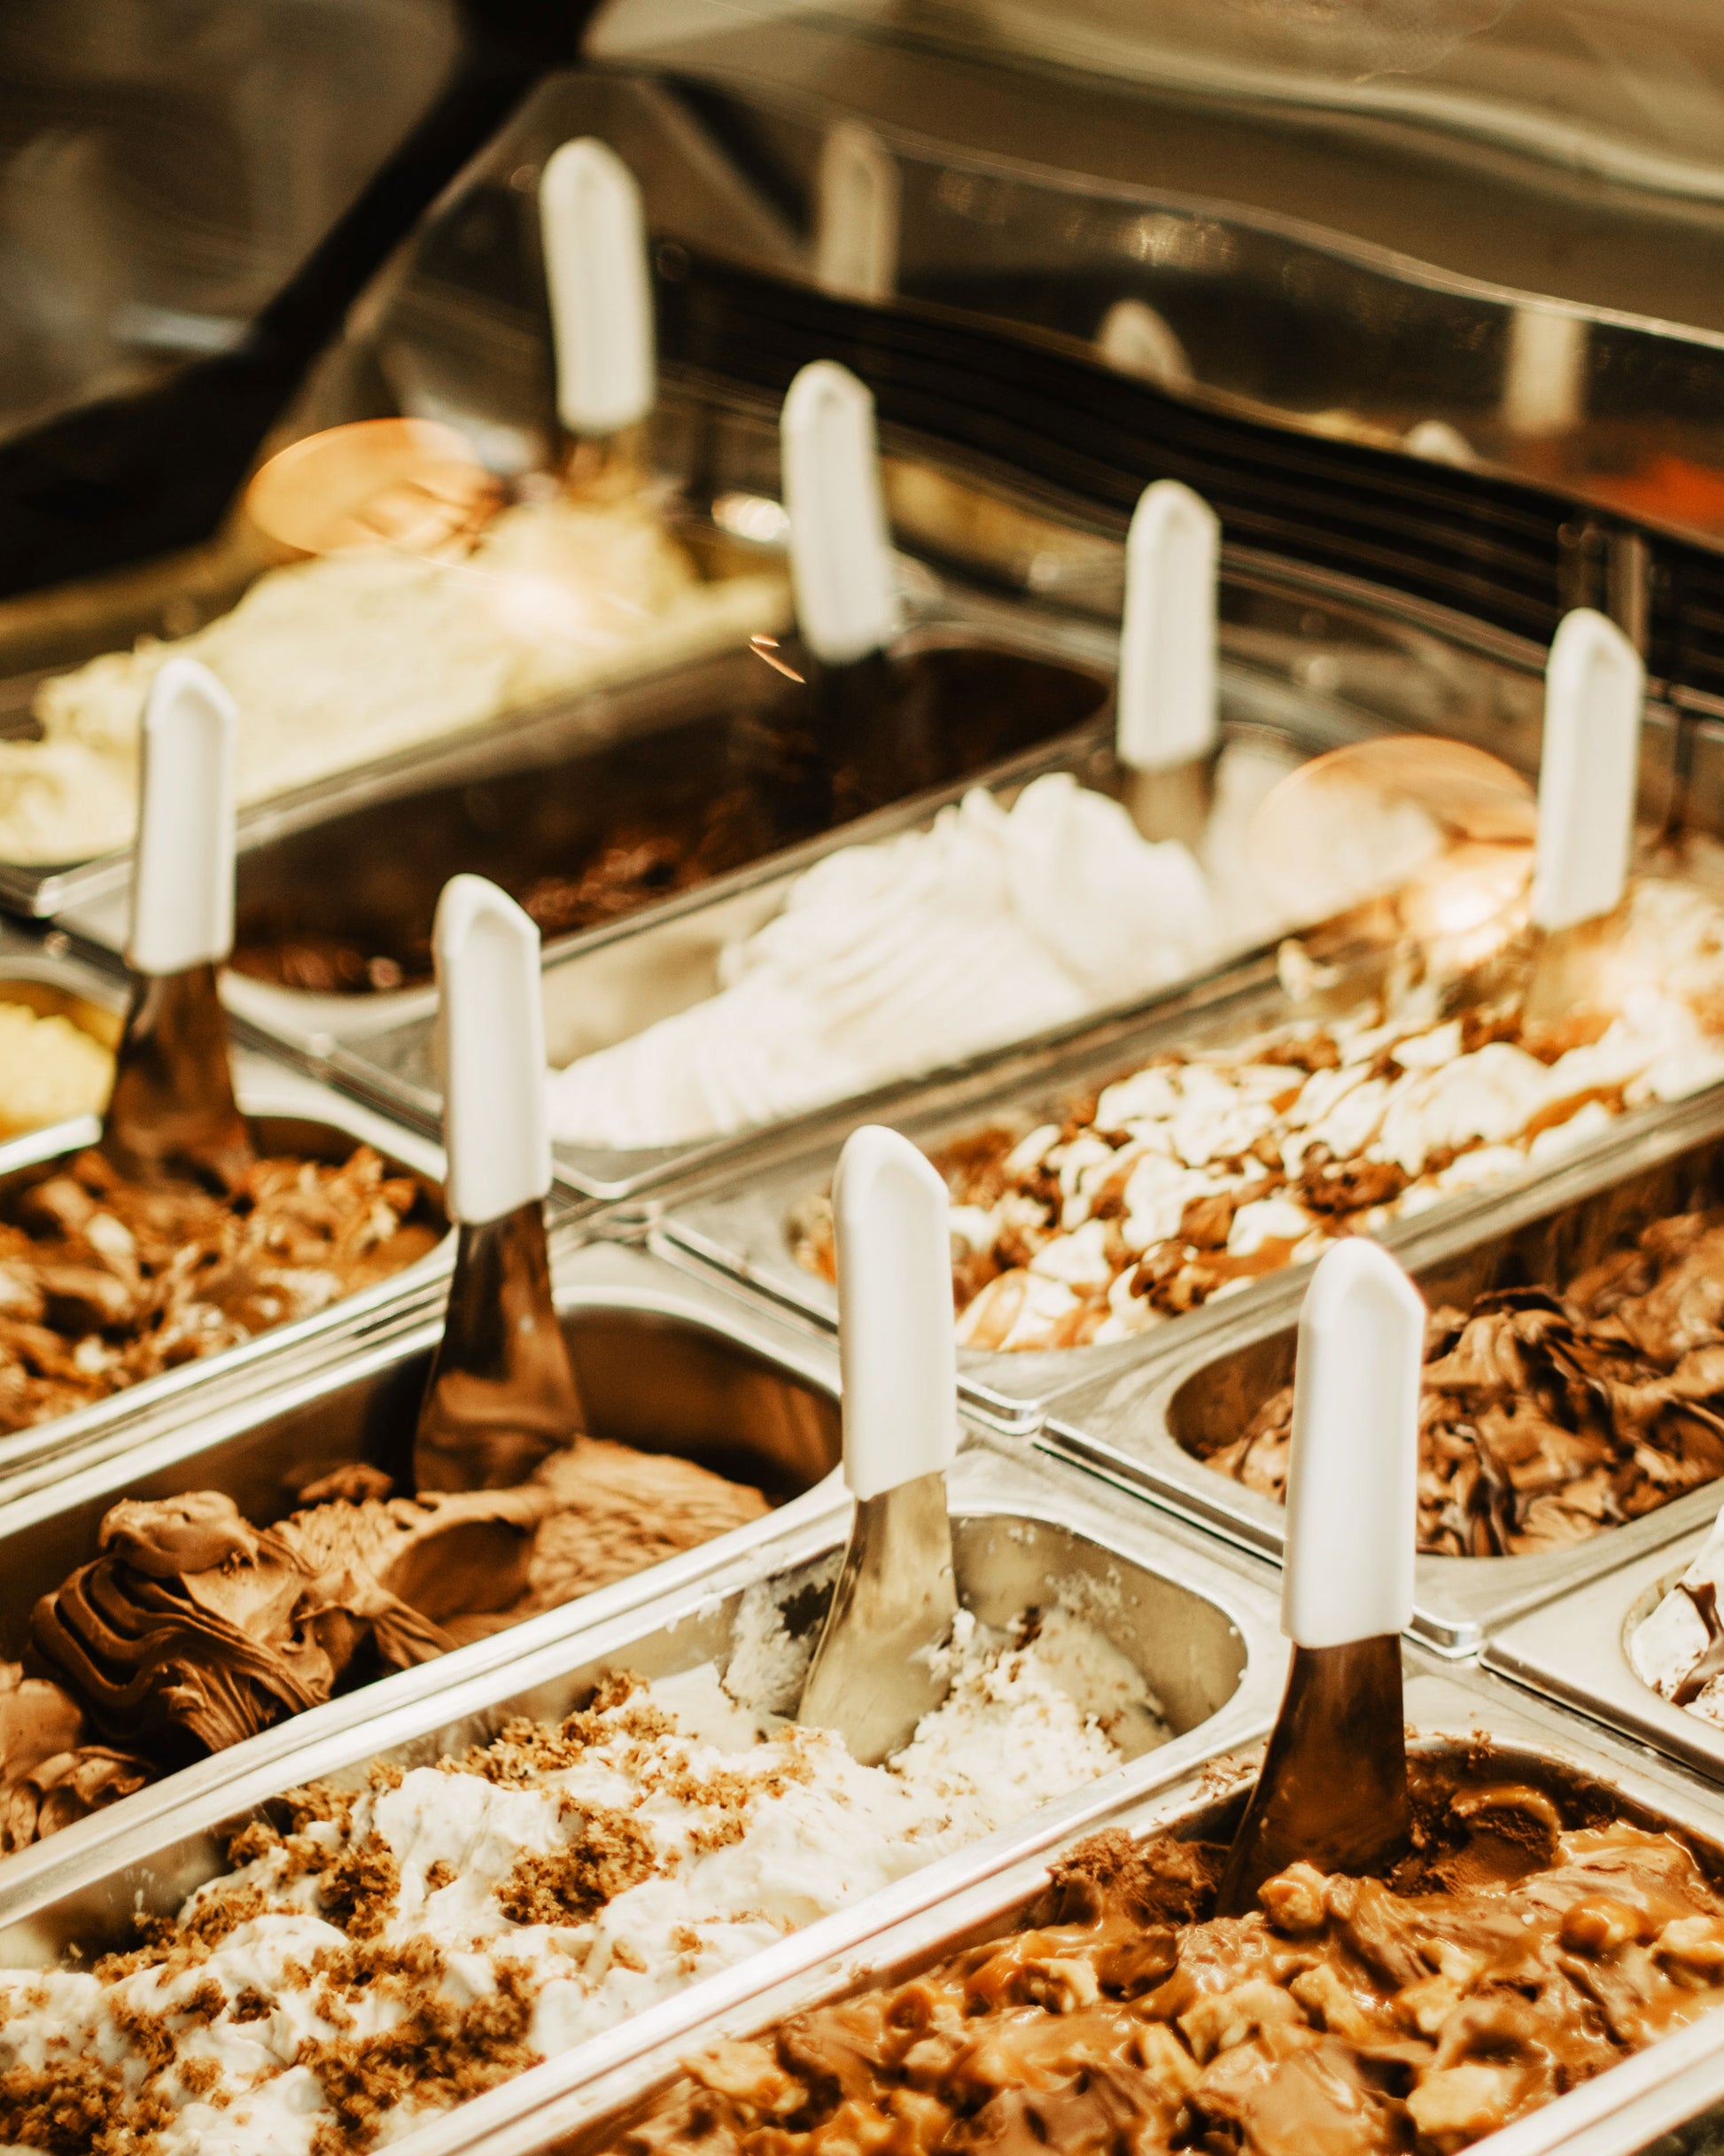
(1353, 1475)
(1167, 681)
(490, 1045)
(1595, 688)
(594, 239)
(840, 553)
(182, 883)
(895, 1338)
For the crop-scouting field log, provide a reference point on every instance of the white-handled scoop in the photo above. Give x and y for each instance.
(873, 1675)
(1166, 733)
(1333, 1786)
(501, 1393)
(1595, 692)
(171, 1113)
(592, 231)
(841, 554)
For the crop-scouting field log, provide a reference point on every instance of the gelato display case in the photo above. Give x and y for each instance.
(338, 1810)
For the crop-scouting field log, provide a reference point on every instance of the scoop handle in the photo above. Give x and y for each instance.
(593, 233)
(840, 554)
(1353, 1475)
(183, 880)
(1595, 690)
(490, 1045)
(897, 1347)
(1166, 683)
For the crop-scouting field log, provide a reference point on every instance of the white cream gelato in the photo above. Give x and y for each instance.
(412, 1944)
(347, 657)
(49, 1070)
(1678, 1649)
(1192, 1176)
(917, 951)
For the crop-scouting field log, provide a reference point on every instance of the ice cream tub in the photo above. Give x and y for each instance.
(1579, 1651)
(1468, 1735)
(352, 666)
(609, 988)
(289, 1114)
(664, 1366)
(1137, 1128)
(1503, 1348)
(618, 805)
(1198, 1624)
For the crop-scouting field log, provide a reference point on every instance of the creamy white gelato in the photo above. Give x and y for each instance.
(350, 656)
(49, 1070)
(1185, 1180)
(1678, 1649)
(414, 1944)
(888, 959)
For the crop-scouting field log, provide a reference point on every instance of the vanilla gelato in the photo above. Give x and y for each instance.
(1185, 1180)
(407, 1946)
(349, 657)
(51, 1070)
(885, 960)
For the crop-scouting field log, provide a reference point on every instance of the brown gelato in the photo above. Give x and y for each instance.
(193, 1630)
(104, 1282)
(50, 1777)
(1529, 1944)
(1546, 1418)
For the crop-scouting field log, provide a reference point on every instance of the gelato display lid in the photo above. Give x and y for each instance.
(1476, 233)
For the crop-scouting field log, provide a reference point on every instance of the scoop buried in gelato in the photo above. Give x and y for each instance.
(407, 1944)
(104, 1282)
(192, 1630)
(1532, 1942)
(354, 655)
(1547, 1418)
(1187, 1178)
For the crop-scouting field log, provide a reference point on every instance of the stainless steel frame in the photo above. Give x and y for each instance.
(1201, 1623)
(573, 2106)
(1130, 1425)
(289, 1110)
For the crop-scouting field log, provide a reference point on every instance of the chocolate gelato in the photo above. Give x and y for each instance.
(49, 1776)
(193, 1630)
(1546, 1418)
(104, 1282)
(1527, 1947)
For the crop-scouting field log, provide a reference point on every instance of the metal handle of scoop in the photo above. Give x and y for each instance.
(172, 1112)
(873, 1675)
(1167, 728)
(1334, 1785)
(501, 1393)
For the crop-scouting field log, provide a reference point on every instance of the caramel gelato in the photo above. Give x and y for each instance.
(1186, 1179)
(387, 1950)
(1546, 1418)
(50, 1775)
(104, 1282)
(192, 1630)
(1528, 1946)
